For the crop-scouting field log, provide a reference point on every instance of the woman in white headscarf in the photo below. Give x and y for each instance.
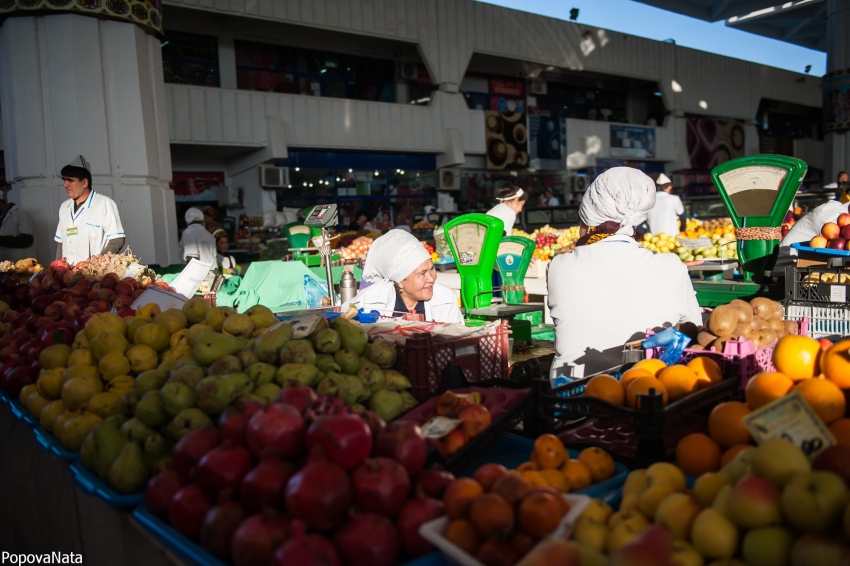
(609, 290)
(401, 279)
(196, 241)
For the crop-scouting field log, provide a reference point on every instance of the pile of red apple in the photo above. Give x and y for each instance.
(302, 481)
(543, 240)
(834, 235)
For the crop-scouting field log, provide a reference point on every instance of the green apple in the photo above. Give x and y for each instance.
(814, 501)
(767, 546)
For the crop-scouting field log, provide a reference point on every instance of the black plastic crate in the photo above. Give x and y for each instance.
(817, 284)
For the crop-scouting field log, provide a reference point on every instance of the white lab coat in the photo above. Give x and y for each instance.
(664, 216)
(504, 213)
(811, 224)
(84, 233)
(15, 222)
(606, 294)
(442, 307)
(198, 242)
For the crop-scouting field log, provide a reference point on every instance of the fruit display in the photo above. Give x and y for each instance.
(695, 228)
(834, 235)
(21, 270)
(121, 264)
(548, 240)
(473, 417)
(374, 234)
(766, 506)
(423, 225)
(761, 320)
(550, 465)
(346, 239)
(358, 249)
(722, 246)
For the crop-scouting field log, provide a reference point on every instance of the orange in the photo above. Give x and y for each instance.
(725, 424)
(707, 371)
(797, 357)
(643, 385)
(539, 514)
(824, 397)
(489, 473)
(491, 515)
(533, 466)
(512, 487)
(556, 479)
(697, 454)
(461, 533)
(840, 429)
(632, 374)
(606, 388)
(549, 451)
(652, 365)
(577, 474)
(599, 462)
(767, 387)
(459, 495)
(732, 451)
(534, 479)
(836, 364)
(679, 380)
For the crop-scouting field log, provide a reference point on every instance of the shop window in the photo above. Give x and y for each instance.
(413, 182)
(421, 89)
(190, 59)
(362, 183)
(584, 103)
(311, 182)
(348, 210)
(503, 94)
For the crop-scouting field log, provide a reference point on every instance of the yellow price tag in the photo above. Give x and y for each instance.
(792, 418)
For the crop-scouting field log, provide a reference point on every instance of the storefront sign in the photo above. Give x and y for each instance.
(632, 141)
(791, 418)
(146, 14)
(547, 142)
(836, 101)
(507, 87)
(506, 137)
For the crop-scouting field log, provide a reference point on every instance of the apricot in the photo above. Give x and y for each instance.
(489, 473)
(512, 488)
(565, 505)
(550, 451)
(491, 515)
(539, 514)
(577, 474)
(459, 495)
(526, 466)
(476, 418)
(461, 533)
(534, 479)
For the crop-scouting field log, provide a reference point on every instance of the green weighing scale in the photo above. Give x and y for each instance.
(512, 261)
(475, 241)
(299, 235)
(757, 191)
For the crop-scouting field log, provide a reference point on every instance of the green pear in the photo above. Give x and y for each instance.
(352, 336)
(149, 381)
(332, 384)
(156, 448)
(187, 375)
(383, 353)
(355, 391)
(167, 365)
(213, 394)
(196, 309)
(267, 392)
(137, 430)
(348, 361)
(247, 357)
(261, 373)
(150, 410)
(212, 346)
(185, 422)
(388, 404)
(408, 401)
(240, 382)
(108, 442)
(298, 352)
(127, 404)
(394, 381)
(128, 473)
(371, 376)
(176, 397)
(87, 458)
(326, 363)
(225, 365)
(326, 341)
(117, 420)
(302, 373)
(268, 345)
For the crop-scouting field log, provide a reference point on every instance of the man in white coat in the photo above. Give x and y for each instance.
(16, 232)
(664, 216)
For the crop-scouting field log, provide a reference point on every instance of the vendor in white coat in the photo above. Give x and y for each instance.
(664, 216)
(610, 290)
(402, 279)
(196, 241)
(511, 200)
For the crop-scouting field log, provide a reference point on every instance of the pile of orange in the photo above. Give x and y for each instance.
(673, 383)
(550, 465)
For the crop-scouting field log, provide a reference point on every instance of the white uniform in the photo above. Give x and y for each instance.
(506, 214)
(664, 216)
(84, 233)
(15, 222)
(197, 242)
(811, 224)
(442, 307)
(226, 262)
(608, 293)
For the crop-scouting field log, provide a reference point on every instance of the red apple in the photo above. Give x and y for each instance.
(124, 313)
(92, 295)
(837, 243)
(10, 316)
(137, 293)
(109, 281)
(121, 302)
(123, 288)
(103, 306)
(81, 302)
(845, 232)
(830, 230)
(83, 283)
(53, 311)
(70, 309)
(106, 294)
(79, 291)
(843, 220)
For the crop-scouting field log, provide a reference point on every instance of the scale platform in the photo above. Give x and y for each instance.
(506, 311)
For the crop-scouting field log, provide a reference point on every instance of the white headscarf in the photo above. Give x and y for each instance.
(193, 215)
(620, 194)
(393, 257)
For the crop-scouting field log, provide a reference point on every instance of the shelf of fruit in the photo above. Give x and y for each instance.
(722, 246)
(834, 235)
(548, 240)
(21, 270)
(423, 225)
(358, 249)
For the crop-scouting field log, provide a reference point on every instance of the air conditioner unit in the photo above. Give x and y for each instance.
(448, 180)
(408, 71)
(272, 177)
(231, 198)
(578, 184)
(538, 87)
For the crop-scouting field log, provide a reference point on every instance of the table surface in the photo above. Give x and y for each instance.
(451, 279)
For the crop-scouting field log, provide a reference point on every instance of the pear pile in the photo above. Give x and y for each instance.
(129, 389)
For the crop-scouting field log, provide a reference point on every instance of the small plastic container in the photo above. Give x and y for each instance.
(90, 484)
(50, 443)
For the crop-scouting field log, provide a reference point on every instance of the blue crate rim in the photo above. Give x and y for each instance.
(821, 251)
(91, 484)
(51, 444)
(22, 414)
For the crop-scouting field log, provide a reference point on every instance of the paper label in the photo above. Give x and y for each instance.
(838, 293)
(302, 325)
(791, 418)
(466, 258)
(190, 278)
(165, 299)
(134, 271)
(438, 427)
(695, 243)
(72, 231)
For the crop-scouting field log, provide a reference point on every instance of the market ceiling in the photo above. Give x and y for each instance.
(802, 22)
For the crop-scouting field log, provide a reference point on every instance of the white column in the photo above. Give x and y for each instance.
(837, 146)
(76, 85)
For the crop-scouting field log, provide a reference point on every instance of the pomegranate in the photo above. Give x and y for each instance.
(17, 379)
(319, 493)
(345, 438)
(192, 448)
(232, 423)
(218, 527)
(306, 550)
(160, 491)
(300, 396)
(188, 509)
(279, 427)
(329, 405)
(374, 421)
(380, 485)
(432, 482)
(413, 515)
(403, 441)
(368, 539)
(258, 536)
(223, 467)
(266, 485)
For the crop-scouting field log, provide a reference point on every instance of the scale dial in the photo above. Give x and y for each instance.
(299, 230)
(468, 239)
(514, 248)
(753, 189)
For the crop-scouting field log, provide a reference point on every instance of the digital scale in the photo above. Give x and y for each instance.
(322, 217)
(476, 243)
(757, 191)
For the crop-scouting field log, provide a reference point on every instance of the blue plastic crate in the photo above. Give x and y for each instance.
(4, 397)
(91, 484)
(193, 553)
(22, 414)
(826, 252)
(513, 450)
(50, 443)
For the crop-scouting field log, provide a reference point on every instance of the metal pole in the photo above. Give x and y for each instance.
(325, 251)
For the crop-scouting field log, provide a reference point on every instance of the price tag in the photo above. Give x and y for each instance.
(438, 427)
(695, 243)
(302, 325)
(791, 418)
(838, 293)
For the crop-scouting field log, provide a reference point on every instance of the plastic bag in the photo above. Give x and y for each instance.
(315, 292)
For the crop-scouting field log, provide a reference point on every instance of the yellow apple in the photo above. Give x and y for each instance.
(754, 502)
(588, 556)
(767, 546)
(707, 486)
(624, 532)
(777, 461)
(667, 473)
(676, 514)
(739, 466)
(713, 535)
(622, 516)
(590, 533)
(683, 554)
(635, 484)
(722, 498)
(597, 510)
(651, 497)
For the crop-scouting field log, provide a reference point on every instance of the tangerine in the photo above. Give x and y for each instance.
(825, 398)
(512, 487)
(840, 429)
(836, 364)
(459, 495)
(797, 357)
(598, 461)
(642, 385)
(525, 466)
(491, 515)
(550, 451)
(652, 365)
(565, 505)
(732, 451)
(766, 388)
(725, 424)
(697, 454)
(606, 388)
(632, 374)
(539, 514)
(488, 473)
(534, 479)
(461, 533)
(707, 370)
(577, 474)
(679, 380)
(555, 479)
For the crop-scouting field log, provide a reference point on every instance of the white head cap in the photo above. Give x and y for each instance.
(193, 215)
(394, 256)
(663, 180)
(621, 194)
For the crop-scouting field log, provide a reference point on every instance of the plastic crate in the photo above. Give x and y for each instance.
(513, 450)
(423, 358)
(51, 444)
(739, 358)
(817, 284)
(91, 484)
(22, 413)
(4, 397)
(824, 320)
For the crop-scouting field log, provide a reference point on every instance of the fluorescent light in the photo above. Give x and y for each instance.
(298, 169)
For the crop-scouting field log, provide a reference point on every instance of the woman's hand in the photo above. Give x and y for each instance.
(694, 263)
